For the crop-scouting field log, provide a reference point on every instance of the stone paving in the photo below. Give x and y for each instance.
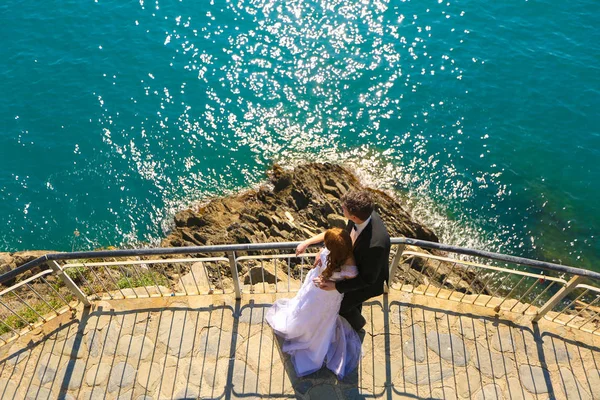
(213, 347)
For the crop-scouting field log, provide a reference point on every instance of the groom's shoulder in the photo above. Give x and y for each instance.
(378, 222)
(380, 235)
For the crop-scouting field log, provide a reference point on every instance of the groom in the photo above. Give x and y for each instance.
(371, 243)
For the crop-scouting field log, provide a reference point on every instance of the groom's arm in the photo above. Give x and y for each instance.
(369, 268)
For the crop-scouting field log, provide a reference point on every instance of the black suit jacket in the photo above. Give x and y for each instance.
(372, 254)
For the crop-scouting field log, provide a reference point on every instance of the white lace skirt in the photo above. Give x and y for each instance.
(314, 333)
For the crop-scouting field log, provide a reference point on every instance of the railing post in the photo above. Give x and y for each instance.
(549, 305)
(234, 274)
(394, 266)
(69, 283)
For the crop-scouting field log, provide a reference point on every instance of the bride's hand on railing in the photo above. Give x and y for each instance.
(301, 248)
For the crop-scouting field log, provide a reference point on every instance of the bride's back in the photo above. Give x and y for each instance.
(348, 271)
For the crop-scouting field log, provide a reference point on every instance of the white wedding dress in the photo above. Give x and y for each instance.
(314, 333)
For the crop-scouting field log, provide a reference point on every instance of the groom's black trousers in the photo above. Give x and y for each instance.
(351, 309)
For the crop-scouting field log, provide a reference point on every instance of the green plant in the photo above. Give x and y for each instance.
(76, 274)
(29, 314)
(149, 278)
(52, 303)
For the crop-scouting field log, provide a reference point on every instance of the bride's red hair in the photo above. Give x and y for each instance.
(339, 244)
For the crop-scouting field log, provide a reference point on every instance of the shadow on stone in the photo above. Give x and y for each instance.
(197, 347)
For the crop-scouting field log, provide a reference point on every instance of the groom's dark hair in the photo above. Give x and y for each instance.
(358, 203)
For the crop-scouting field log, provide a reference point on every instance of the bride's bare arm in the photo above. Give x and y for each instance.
(301, 248)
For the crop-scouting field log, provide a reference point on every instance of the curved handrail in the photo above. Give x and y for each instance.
(500, 257)
(287, 245)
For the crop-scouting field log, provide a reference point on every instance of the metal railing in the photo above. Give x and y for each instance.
(581, 311)
(149, 278)
(474, 283)
(492, 280)
(25, 308)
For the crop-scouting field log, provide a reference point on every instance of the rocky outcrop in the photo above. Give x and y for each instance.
(294, 205)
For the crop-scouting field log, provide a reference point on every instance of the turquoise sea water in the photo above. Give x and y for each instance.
(115, 114)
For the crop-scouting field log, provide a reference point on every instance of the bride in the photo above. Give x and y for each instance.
(314, 333)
